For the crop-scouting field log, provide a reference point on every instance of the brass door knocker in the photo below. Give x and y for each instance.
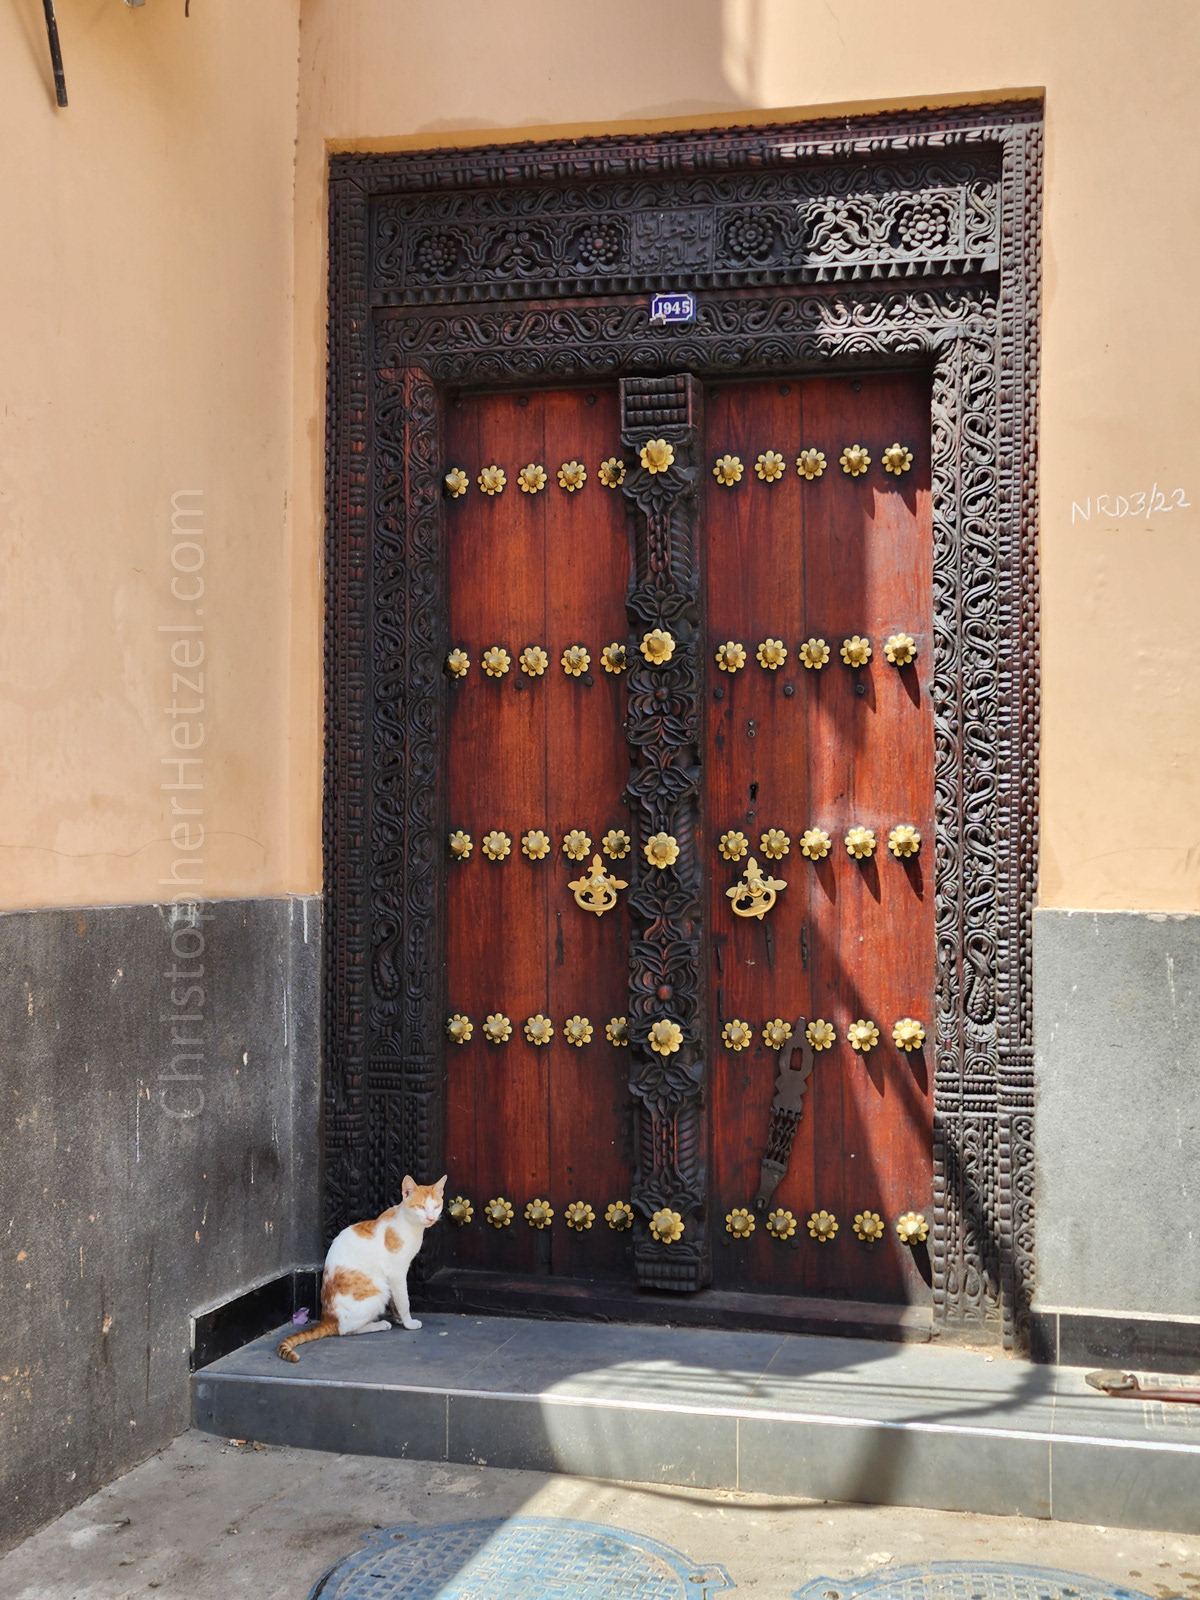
(753, 895)
(598, 890)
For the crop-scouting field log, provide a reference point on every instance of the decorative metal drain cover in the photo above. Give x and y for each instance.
(523, 1558)
(967, 1580)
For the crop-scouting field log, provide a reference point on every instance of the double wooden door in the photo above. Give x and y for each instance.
(812, 541)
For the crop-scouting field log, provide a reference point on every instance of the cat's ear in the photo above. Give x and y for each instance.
(440, 1186)
(407, 1187)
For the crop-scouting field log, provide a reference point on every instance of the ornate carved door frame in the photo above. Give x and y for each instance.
(894, 240)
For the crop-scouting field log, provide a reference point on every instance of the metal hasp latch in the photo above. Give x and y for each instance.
(786, 1111)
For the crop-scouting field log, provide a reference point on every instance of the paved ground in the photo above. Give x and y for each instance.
(209, 1518)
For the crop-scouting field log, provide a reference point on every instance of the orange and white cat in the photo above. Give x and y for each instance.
(367, 1268)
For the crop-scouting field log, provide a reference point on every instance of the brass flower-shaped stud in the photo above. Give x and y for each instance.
(665, 1037)
(613, 657)
(896, 459)
(733, 845)
(539, 1030)
(666, 1226)
(575, 661)
(572, 475)
(492, 481)
(658, 646)
(656, 455)
(908, 1034)
(777, 1033)
(456, 482)
(820, 1034)
(460, 1211)
(771, 653)
(577, 1031)
(863, 1035)
(496, 661)
(616, 1030)
(854, 460)
(611, 472)
(498, 1212)
(904, 840)
(535, 844)
(497, 1029)
(810, 464)
(576, 845)
(814, 653)
(728, 470)
(900, 649)
(860, 843)
(458, 663)
(781, 1223)
(616, 844)
(855, 651)
(539, 1214)
(815, 843)
(619, 1216)
(460, 845)
(579, 1216)
(534, 660)
(737, 1035)
(912, 1228)
(731, 656)
(531, 479)
(459, 1028)
(823, 1226)
(661, 850)
(769, 466)
(775, 844)
(496, 845)
(868, 1225)
(739, 1223)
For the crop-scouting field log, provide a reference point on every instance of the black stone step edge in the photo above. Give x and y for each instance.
(1064, 1336)
(226, 1325)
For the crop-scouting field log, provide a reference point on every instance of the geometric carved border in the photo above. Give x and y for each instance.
(885, 240)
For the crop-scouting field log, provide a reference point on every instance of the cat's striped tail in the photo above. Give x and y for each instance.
(321, 1330)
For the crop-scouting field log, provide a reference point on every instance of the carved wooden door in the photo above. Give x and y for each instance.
(592, 849)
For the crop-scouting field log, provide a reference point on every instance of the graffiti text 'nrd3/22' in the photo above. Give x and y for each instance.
(1143, 503)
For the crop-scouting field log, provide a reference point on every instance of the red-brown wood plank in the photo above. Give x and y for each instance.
(832, 557)
(548, 569)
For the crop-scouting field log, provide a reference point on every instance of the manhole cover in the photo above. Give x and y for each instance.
(524, 1558)
(967, 1580)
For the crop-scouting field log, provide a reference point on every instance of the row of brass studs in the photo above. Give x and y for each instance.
(668, 1226)
(578, 1214)
(533, 478)
(539, 1030)
(656, 455)
(664, 1037)
(863, 1035)
(854, 461)
(855, 650)
(869, 1226)
(815, 844)
(535, 845)
(657, 646)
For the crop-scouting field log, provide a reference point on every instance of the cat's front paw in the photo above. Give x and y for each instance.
(411, 1324)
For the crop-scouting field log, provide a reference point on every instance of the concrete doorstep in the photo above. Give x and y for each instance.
(841, 1420)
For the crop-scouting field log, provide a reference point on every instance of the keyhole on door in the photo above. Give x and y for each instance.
(753, 793)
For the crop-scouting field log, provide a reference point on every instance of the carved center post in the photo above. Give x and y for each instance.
(660, 432)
